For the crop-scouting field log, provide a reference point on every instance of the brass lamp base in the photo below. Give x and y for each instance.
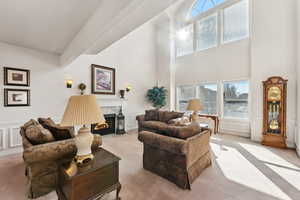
(84, 160)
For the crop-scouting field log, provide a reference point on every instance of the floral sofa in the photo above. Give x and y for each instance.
(178, 153)
(46, 145)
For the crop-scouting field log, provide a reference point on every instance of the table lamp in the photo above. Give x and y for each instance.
(83, 110)
(196, 106)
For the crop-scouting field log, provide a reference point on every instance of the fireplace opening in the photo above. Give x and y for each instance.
(105, 130)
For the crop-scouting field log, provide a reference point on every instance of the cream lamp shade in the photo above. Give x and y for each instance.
(81, 110)
(194, 105)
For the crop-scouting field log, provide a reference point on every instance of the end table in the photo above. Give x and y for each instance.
(93, 181)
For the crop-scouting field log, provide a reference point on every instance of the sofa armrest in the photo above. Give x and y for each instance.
(140, 118)
(198, 146)
(170, 144)
(55, 150)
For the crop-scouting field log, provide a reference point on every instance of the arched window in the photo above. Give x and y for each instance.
(204, 5)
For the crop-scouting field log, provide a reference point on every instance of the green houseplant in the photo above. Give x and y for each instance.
(157, 96)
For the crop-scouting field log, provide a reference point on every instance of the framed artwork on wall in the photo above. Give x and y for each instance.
(103, 80)
(16, 97)
(16, 77)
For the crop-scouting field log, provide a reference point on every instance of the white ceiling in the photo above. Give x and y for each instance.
(48, 25)
(70, 28)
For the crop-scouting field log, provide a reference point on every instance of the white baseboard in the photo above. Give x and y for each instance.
(11, 151)
(231, 132)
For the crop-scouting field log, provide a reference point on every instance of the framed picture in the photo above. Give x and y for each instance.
(16, 97)
(103, 80)
(16, 77)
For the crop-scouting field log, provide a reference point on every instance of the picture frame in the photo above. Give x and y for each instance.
(16, 97)
(16, 77)
(103, 80)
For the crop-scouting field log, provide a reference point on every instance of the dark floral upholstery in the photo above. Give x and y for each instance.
(151, 115)
(38, 134)
(59, 132)
(42, 161)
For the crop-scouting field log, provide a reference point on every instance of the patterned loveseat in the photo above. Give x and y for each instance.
(44, 150)
(177, 153)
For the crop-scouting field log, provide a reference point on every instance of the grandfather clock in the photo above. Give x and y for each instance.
(274, 119)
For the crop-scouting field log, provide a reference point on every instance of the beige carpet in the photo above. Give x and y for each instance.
(241, 170)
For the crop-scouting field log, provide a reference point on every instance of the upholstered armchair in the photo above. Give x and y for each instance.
(42, 162)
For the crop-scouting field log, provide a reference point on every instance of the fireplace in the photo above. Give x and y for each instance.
(111, 122)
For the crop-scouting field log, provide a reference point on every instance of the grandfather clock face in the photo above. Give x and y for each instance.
(274, 94)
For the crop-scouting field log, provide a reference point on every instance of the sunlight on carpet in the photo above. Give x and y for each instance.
(237, 168)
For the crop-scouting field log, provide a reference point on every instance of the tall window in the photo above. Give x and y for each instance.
(208, 94)
(204, 5)
(184, 94)
(236, 22)
(185, 41)
(236, 99)
(206, 32)
(221, 21)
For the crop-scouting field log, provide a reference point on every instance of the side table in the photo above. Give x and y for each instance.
(92, 182)
(215, 118)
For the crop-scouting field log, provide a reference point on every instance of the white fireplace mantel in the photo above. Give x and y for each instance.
(111, 105)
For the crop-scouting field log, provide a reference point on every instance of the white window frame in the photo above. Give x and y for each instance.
(222, 24)
(177, 93)
(219, 11)
(222, 100)
(216, 14)
(218, 91)
(220, 97)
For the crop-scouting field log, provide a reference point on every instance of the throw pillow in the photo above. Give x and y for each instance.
(182, 121)
(59, 132)
(151, 115)
(37, 134)
(166, 116)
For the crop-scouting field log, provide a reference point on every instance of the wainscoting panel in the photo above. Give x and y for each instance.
(235, 127)
(15, 139)
(2, 138)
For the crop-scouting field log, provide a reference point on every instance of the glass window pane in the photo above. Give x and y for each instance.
(204, 5)
(208, 97)
(206, 32)
(184, 94)
(185, 41)
(236, 22)
(236, 99)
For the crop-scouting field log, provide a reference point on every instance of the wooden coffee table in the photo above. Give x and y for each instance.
(92, 182)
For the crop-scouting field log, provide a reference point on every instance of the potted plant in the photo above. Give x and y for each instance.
(157, 96)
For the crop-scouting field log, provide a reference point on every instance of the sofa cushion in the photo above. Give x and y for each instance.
(183, 132)
(151, 115)
(59, 132)
(166, 116)
(155, 125)
(37, 134)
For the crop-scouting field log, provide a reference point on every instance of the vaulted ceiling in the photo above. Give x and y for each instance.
(70, 28)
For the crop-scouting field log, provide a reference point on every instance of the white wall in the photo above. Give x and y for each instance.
(273, 53)
(133, 57)
(270, 50)
(226, 62)
(297, 132)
